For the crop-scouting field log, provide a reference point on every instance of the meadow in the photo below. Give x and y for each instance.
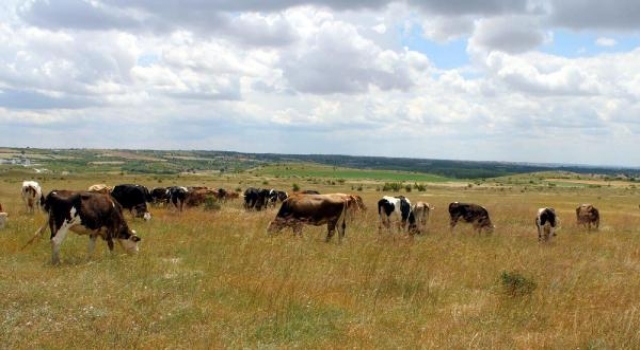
(215, 279)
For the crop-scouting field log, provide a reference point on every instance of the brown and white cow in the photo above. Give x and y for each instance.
(312, 209)
(587, 215)
(422, 212)
(546, 222)
(100, 188)
(470, 213)
(31, 195)
(89, 213)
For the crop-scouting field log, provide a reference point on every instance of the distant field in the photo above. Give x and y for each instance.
(320, 171)
(216, 279)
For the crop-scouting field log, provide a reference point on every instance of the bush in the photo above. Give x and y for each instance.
(295, 187)
(514, 284)
(211, 203)
(392, 186)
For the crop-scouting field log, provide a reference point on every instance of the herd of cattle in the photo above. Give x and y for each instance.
(98, 211)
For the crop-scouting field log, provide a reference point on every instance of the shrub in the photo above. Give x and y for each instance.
(295, 187)
(392, 186)
(211, 203)
(515, 284)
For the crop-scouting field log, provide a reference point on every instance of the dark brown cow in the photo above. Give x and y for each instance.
(313, 209)
(89, 213)
(470, 213)
(587, 215)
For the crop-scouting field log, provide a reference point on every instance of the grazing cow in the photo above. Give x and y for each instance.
(587, 215)
(133, 198)
(400, 208)
(546, 222)
(100, 188)
(255, 198)
(312, 210)
(422, 211)
(470, 213)
(3, 217)
(355, 202)
(221, 194)
(88, 213)
(159, 196)
(177, 196)
(198, 196)
(231, 196)
(31, 195)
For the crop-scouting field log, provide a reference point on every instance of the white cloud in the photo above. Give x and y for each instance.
(324, 76)
(608, 42)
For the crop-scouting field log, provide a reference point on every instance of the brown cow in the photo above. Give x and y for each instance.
(470, 213)
(314, 210)
(586, 215)
(89, 213)
(198, 196)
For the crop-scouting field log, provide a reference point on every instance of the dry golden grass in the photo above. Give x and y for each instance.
(215, 279)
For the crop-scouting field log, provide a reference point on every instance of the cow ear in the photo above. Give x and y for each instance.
(135, 238)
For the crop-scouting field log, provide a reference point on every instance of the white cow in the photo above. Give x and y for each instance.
(421, 211)
(31, 195)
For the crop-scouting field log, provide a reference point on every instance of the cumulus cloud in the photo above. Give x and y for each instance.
(608, 42)
(320, 76)
(512, 34)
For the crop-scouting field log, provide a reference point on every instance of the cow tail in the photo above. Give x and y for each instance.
(36, 235)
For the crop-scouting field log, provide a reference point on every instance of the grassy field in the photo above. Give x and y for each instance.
(215, 279)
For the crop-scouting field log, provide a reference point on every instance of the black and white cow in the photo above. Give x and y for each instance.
(159, 196)
(256, 198)
(133, 198)
(177, 195)
(400, 209)
(276, 196)
(546, 222)
(470, 213)
(89, 213)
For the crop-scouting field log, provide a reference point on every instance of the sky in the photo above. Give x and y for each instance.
(539, 81)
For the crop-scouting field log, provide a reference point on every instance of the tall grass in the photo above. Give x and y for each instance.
(215, 279)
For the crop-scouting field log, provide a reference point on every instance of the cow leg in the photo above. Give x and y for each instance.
(92, 245)
(331, 228)
(56, 241)
(452, 224)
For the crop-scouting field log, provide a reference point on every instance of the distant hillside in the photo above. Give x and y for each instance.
(175, 162)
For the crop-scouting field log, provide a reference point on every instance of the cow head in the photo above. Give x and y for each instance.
(140, 211)
(130, 244)
(276, 226)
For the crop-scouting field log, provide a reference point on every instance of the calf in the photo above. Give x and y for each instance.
(470, 213)
(422, 211)
(400, 208)
(315, 210)
(89, 213)
(133, 198)
(31, 195)
(587, 215)
(546, 222)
